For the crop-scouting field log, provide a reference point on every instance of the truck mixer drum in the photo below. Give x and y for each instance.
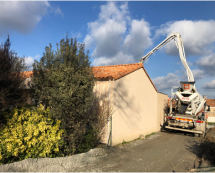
(187, 86)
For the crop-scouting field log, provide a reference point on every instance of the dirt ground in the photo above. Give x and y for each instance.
(161, 152)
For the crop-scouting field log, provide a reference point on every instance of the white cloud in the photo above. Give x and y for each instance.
(183, 75)
(189, 63)
(209, 85)
(197, 74)
(22, 16)
(108, 32)
(58, 11)
(37, 56)
(77, 35)
(30, 60)
(88, 41)
(138, 39)
(163, 83)
(120, 58)
(207, 63)
(196, 35)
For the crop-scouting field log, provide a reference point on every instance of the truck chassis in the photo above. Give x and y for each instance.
(186, 123)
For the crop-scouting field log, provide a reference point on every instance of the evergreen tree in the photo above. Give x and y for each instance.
(64, 81)
(11, 67)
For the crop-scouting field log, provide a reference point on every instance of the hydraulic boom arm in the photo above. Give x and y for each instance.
(179, 45)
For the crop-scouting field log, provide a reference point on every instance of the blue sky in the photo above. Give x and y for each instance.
(120, 33)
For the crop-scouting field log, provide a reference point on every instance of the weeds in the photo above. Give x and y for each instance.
(207, 147)
(211, 123)
(127, 142)
(149, 135)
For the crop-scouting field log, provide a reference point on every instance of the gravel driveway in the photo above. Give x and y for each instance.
(161, 152)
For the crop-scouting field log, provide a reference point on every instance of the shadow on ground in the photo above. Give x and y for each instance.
(204, 149)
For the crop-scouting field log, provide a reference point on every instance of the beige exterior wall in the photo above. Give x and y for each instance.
(135, 107)
(212, 109)
(103, 89)
(211, 114)
(162, 100)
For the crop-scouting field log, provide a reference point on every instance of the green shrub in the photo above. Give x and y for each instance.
(64, 81)
(29, 133)
(11, 67)
(89, 142)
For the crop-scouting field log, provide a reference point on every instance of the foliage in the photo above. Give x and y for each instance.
(30, 133)
(149, 134)
(211, 123)
(100, 110)
(206, 147)
(11, 67)
(206, 151)
(64, 81)
(89, 141)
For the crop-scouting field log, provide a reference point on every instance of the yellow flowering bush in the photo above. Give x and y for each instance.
(29, 132)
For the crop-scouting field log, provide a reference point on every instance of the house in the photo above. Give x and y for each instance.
(26, 85)
(138, 106)
(211, 103)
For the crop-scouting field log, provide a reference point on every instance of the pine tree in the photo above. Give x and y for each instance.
(11, 67)
(64, 81)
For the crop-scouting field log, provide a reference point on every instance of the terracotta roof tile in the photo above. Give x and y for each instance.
(115, 71)
(210, 102)
(110, 72)
(27, 74)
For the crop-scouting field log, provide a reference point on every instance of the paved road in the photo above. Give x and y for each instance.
(161, 152)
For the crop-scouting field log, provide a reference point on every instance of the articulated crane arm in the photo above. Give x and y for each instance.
(179, 45)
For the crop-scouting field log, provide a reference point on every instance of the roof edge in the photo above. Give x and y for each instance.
(149, 78)
(111, 77)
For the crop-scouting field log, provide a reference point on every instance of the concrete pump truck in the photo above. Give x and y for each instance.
(189, 113)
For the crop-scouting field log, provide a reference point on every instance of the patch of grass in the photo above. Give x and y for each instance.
(211, 123)
(127, 142)
(149, 135)
(124, 142)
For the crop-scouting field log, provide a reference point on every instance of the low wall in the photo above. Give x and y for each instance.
(211, 119)
(210, 114)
